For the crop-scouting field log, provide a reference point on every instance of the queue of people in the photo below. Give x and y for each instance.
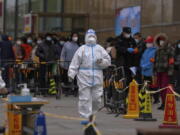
(17, 58)
(152, 58)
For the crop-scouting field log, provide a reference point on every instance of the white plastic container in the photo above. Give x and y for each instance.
(25, 91)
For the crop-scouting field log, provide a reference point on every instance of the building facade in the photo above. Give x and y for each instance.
(156, 15)
(69, 15)
(15, 10)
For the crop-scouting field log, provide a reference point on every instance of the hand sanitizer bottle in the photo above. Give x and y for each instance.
(25, 91)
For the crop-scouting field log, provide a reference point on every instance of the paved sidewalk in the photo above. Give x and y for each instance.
(64, 119)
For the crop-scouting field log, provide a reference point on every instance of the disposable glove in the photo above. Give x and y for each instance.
(130, 50)
(136, 50)
(70, 79)
(152, 60)
(99, 61)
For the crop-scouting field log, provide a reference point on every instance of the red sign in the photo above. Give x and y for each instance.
(132, 99)
(170, 116)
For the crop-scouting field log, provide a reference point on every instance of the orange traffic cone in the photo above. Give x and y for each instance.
(133, 101)
(170, 114)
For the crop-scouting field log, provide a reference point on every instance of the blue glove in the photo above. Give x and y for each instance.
(130, 50)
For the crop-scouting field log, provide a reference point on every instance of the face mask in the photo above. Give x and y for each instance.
(127, 35)
(29, 41)
(39, 41)
(75, 39)
(48, 38)
(61, 42)
(91, 40)
(148, 45)
(18, 42)
(137, 40)
(161, 42)
(178, 45)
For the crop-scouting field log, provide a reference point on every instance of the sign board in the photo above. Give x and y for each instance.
(28, 23)
(130, 17)
(170, 116)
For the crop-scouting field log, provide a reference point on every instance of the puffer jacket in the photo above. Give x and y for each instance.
(47, 52)
(68, 51)
(163, 55)
(28, 49)
(6, 50)
(145, 64)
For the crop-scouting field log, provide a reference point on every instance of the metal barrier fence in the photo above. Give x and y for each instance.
(41, 77)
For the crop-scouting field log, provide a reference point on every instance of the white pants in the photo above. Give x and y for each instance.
(89, 100)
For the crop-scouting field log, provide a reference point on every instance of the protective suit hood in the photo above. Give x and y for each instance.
(90, 38)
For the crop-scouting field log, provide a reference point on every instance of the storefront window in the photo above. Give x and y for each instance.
(10, 17)
(37, 5)
(54, 6)
(53, 24)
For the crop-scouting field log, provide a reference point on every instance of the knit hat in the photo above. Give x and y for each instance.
(127, 29)
(149, 39)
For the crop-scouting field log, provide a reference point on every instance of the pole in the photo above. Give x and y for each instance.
(4, 15)
(16, 20)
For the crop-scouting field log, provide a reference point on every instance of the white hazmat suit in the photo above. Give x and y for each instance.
(88, 63)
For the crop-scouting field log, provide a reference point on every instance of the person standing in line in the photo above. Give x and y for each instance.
(177, 67)
(163, 65)
(6, 58)
(126, 52)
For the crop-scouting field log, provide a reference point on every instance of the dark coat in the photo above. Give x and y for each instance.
(141, 48)
(177, 57)
(59, 49)
(123, 57)
(162, 56)
(47, 52)
(6, 50)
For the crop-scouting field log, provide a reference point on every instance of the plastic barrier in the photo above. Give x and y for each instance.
(170, 114)
(145, 105)
(40, 125)
(133, 101)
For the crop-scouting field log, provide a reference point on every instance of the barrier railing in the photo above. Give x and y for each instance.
(38, 76)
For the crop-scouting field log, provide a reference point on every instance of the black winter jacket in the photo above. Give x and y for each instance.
(6, 50)
(47, 52)
(124, 58)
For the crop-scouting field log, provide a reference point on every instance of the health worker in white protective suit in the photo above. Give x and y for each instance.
(88, 63)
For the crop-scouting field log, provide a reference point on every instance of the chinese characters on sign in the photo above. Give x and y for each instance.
(170, 113)
(133, 103)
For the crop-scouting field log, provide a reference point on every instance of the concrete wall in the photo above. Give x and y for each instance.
(176, 10)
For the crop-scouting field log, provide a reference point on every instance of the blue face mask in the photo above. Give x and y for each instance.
(29, 41)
